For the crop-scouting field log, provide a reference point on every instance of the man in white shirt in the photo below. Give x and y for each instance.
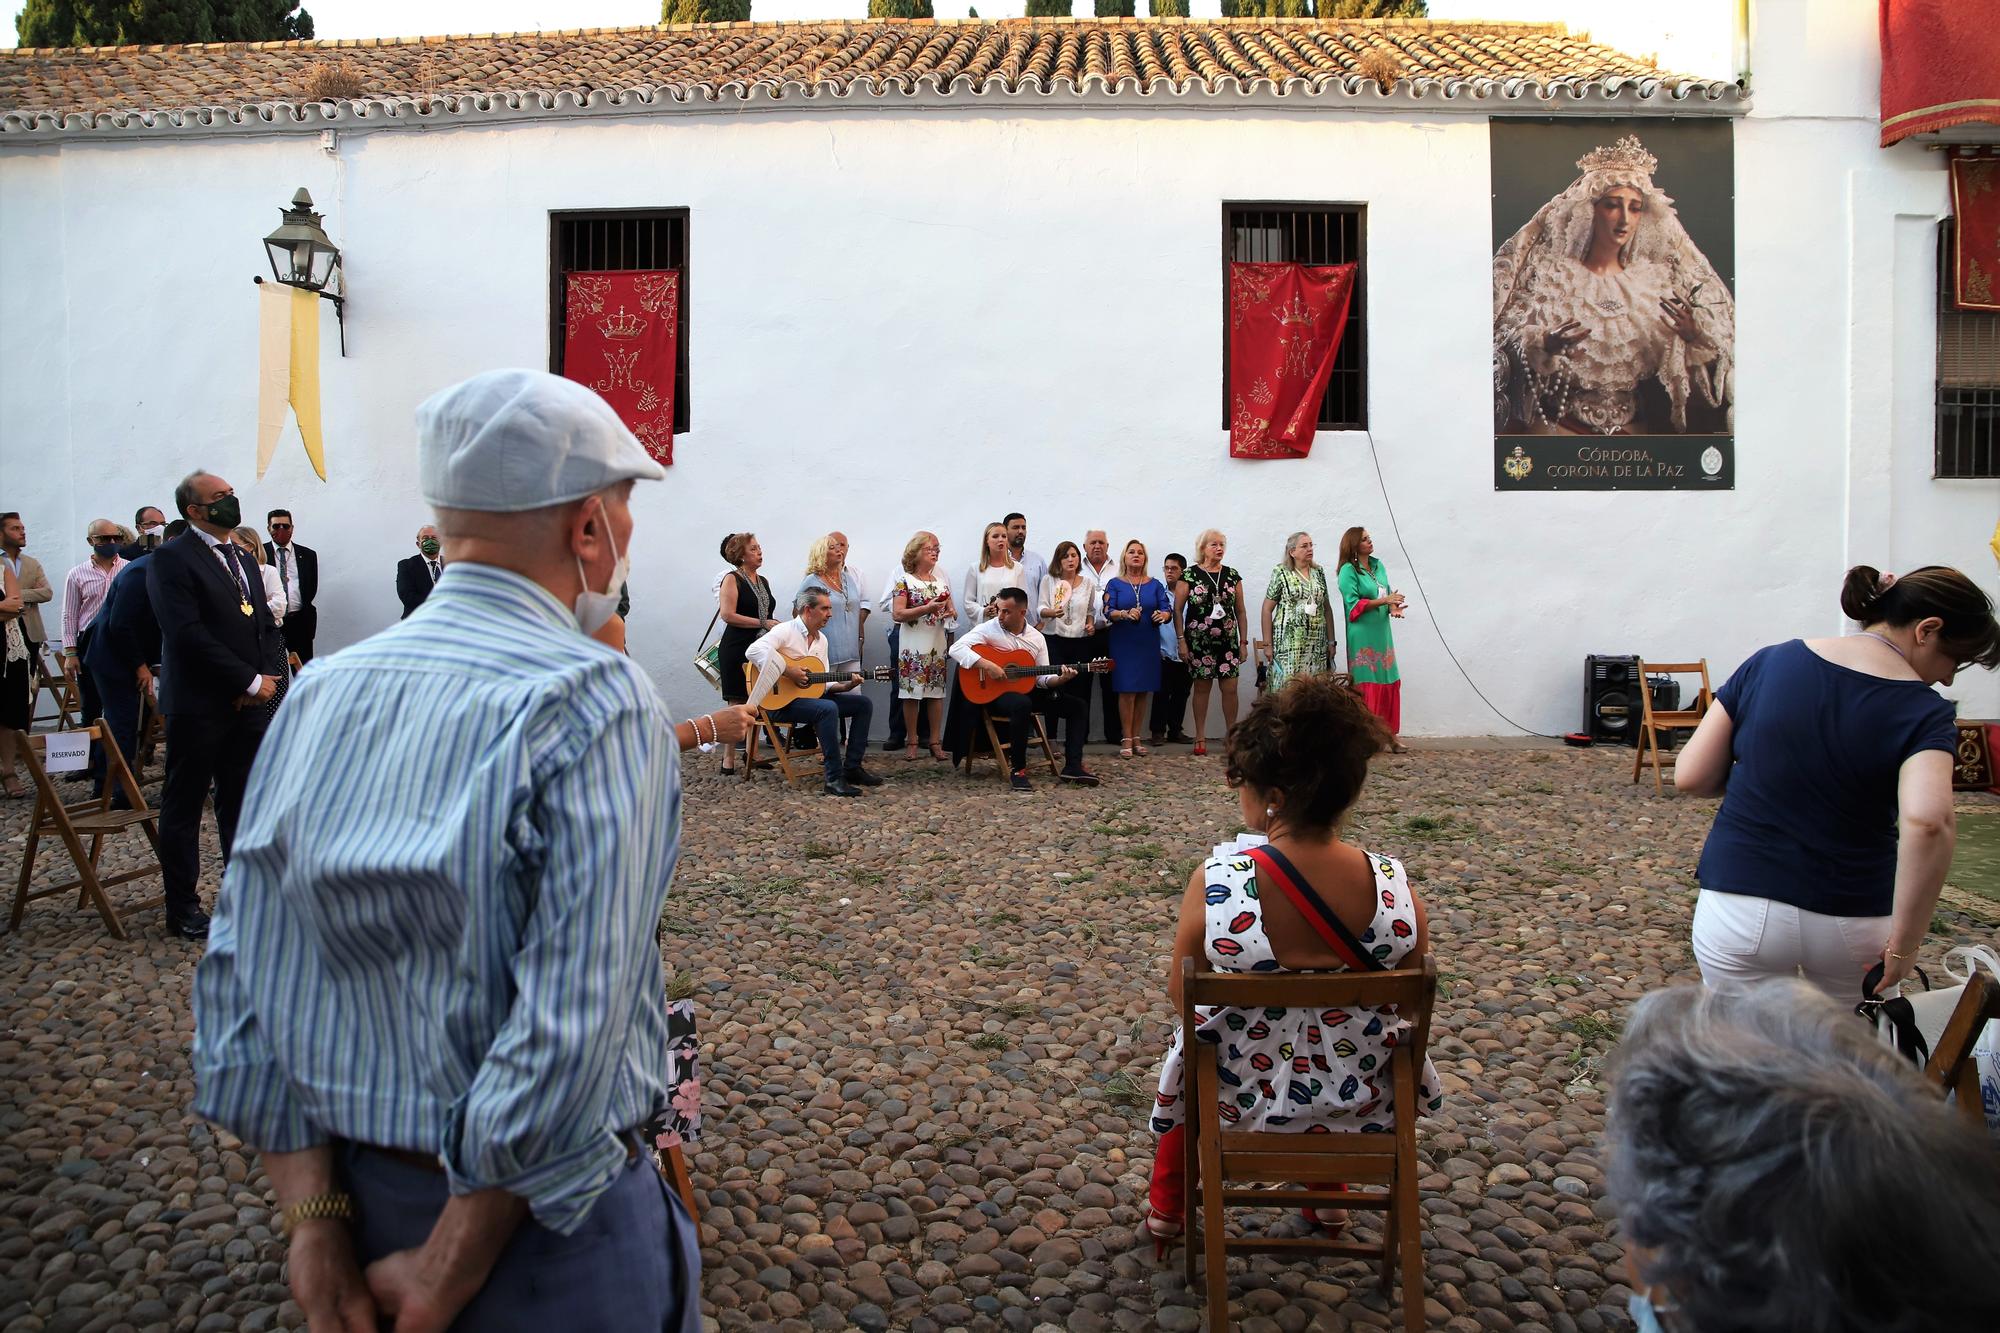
(1010, 630)
(1098, 571)
(801, 637)
(1033, 567)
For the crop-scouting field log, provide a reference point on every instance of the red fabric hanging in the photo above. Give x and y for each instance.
(1285, 323)
(1940, 66)
(1975, 203)
(620, 339)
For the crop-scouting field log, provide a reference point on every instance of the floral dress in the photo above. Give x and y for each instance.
(1301, 618)
(1214, 649)
(920, 660)
(1296, 1070)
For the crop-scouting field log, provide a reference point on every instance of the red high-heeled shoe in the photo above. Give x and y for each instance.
(1201, 746)
(1163, 1231)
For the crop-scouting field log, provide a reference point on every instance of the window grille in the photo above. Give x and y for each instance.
(1968, 380)
(596, 242)
(1275, 233)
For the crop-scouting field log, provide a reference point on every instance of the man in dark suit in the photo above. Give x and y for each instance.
(218, 644)
(124, 649)
(416, 576)
(298, 571)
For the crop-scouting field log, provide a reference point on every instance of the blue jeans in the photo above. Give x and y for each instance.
(824, 716)
(634, 1264)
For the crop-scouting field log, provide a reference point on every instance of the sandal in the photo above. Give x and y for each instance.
(1163, 1231)
(1201, 747)
(1124, 752)
(910, 755)
(12, 786)
(1140, 750)
(939, 755)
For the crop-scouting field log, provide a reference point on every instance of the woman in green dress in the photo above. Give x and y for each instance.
(1298, 621)
(1371, 647)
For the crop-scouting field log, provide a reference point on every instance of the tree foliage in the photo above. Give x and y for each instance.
(1113, 9)
(1048, 9)
(129, 22)
(1167, 9)
(1326, 9)
(900, 9)
(705, 11)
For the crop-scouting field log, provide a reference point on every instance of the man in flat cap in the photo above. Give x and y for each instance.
(432, 997)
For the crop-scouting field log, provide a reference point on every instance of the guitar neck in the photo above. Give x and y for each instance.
(1022, 672)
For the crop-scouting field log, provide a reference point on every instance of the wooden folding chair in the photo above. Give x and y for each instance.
(1218, 1155)
(1951, 1065)
(683, 1182)
(1652, 723)
(65, 698)
(152, 734)
(779, 750)
(998, 748)
(92, 817)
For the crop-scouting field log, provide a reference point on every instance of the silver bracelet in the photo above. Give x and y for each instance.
(713, 734)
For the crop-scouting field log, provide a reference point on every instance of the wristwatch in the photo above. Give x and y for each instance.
(333, 1205)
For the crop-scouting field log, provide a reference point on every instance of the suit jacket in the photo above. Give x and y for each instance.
(125, 636)
(306, 617)
(209, 650)
(35, 590)
(413, 583)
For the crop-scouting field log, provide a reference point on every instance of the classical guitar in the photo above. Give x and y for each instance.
(1022, 672)
(817, 679)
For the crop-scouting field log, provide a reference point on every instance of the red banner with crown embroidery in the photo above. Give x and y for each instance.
(1975, 207)
(1285, 324)
(619, 338)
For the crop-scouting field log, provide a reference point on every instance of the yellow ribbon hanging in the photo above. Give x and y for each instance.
(288, 371)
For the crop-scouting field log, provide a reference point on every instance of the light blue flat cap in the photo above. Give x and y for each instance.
(511, 440)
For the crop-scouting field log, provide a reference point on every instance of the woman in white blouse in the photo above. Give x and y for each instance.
(1064, 605)
(274, 587)
(996, 569)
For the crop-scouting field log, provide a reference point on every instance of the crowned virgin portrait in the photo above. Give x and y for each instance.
(1607, 319)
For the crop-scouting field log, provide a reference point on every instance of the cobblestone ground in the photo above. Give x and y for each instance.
(931, 1021)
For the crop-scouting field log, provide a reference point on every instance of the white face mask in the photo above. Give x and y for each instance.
(155, 531)
(593, 609)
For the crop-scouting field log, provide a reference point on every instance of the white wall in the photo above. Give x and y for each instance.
(928, 319)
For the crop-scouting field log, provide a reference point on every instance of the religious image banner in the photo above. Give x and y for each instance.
(1285, 325)
(1614, 314)
(1975, 210)
(620, 338)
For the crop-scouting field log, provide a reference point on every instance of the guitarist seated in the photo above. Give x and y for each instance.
(1010, 630)
(801, 637)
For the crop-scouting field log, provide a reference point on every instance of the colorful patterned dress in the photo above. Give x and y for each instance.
(1215, 650)
(1297, 1070)
(1301, 624)
(920, 660)
(1371, 646)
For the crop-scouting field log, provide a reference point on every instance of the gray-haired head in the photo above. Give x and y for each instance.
(1782, 1169)
(807, 599)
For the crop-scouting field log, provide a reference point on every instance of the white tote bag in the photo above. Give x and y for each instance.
(1932, 1011)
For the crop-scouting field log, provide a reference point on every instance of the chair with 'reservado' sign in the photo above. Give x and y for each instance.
(71, 822)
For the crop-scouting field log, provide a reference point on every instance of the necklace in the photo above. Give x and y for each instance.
(1890, 643)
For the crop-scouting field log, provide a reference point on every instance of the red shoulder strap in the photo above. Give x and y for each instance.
(1275, 868)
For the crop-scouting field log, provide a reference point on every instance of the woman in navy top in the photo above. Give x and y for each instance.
(1836, 824)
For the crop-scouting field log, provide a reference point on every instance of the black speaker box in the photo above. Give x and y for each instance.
(1611, 703)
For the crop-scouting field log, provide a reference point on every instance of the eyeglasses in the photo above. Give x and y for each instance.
(106, 540)
(281, 527)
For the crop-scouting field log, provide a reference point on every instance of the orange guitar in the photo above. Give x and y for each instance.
(1022, 672)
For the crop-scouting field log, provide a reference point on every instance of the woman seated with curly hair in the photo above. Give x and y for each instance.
(1292, 896)
(1776, 1167)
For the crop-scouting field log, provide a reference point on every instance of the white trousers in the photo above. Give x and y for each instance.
(1740, 940)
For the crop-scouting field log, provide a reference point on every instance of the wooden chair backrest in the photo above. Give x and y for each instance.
(118, 776)
(1951, 1065)
(1702, 698)
(1411, 991)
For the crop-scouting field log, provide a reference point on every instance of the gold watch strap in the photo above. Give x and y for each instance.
(334, 1205)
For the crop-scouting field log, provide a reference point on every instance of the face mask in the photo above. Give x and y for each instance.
(155, 532)
(224, 512)
(428, 546)
(593, 609)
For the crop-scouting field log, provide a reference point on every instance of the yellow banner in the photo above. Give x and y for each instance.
(288, 371)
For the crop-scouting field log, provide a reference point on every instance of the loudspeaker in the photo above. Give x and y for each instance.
(1611, 704)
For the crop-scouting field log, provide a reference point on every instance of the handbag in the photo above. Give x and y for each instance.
(1894, 1017)
(708, 656)
(1933, 1009)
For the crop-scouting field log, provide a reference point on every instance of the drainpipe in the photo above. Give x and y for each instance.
(1742, 43)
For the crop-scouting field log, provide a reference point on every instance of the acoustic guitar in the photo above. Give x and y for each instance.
(817, 679)
(1022, 672)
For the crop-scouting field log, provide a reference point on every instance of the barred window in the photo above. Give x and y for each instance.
(1968, 379)
(1281, 233)
(597, 242)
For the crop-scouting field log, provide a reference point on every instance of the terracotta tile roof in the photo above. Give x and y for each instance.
(1132, 61)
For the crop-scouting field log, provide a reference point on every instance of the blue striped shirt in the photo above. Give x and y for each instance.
(437, 931)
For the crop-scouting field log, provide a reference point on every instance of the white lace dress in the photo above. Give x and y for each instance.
(1298, 1070)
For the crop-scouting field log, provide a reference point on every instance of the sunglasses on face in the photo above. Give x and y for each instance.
(104, 541)
(281, 527)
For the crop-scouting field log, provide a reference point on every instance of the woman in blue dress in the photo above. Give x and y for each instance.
(1137, 605)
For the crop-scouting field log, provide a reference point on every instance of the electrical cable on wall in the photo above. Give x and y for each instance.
(1418, 579)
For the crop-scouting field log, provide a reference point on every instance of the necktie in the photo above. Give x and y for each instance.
(434, 571)
(285, 570)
